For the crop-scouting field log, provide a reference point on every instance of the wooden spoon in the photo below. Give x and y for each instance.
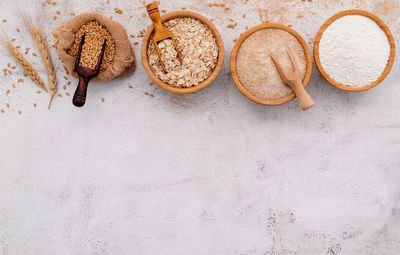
(160, 32)
(294, 81)
(85, 74)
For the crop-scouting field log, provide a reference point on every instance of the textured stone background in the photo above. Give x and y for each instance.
(207, 173)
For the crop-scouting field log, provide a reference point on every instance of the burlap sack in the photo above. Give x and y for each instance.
(124, 59)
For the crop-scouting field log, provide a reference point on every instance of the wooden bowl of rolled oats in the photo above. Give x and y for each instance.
(200, 45)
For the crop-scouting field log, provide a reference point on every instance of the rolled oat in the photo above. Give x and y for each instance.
(198, 48)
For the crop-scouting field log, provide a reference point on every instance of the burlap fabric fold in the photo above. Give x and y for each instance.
(124, 60)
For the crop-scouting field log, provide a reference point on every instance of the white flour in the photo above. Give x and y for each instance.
(354, 51)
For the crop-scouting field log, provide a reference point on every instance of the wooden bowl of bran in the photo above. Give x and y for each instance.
(210, 78)
(385, 29)
(233, 63)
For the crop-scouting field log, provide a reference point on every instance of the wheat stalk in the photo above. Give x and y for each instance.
(25, 64)
(46, 57)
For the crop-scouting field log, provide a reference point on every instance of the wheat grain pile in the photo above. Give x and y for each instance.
(95, 34)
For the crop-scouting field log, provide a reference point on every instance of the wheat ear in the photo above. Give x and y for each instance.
(46, 57)
(25, 64)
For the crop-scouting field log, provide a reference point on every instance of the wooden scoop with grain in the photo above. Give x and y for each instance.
(85, 74)
(294, 81)
(160, 32)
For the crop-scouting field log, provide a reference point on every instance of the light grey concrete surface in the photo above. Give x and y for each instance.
(207, 173)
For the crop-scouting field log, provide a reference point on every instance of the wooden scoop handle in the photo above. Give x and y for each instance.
(79, 98)
(154, 14)
(304, 98)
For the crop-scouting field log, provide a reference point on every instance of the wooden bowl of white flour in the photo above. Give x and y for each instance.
(354, 50)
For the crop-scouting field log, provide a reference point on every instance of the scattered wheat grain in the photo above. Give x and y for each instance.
(118, 10)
